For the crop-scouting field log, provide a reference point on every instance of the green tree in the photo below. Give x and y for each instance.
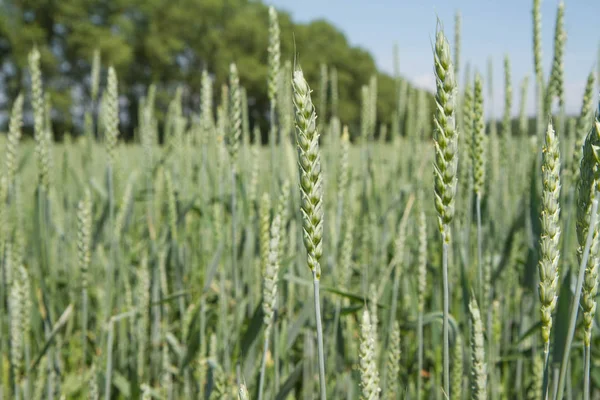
(169, 43)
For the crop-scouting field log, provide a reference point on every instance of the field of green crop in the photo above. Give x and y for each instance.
(447, 255)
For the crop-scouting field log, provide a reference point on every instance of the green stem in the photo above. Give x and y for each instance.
(27, 386)
(555, 373)
(263, 364)
(236, 283)
(110, 265)
(395, 290)
(272, 143)
(479, 250)
(84, 319)
(419, 353)
(322, 383)
(586, 372)
(109, 350)
(446, 354)
(576, 298)
(276, 351)
(546, 370)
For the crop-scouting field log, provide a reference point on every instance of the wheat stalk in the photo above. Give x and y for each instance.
(311, 188)
(446, 160)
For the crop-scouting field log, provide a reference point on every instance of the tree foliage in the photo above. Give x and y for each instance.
(169, 43)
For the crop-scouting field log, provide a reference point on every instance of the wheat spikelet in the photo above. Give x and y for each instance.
(369, 376)
(274, 55)
(171, 205)
(537, 39)
(583, 121)
(556, 83)
(42, 142)
(15, 302)
(243, 393)
(373, 314)
(550, 236)
(506, 120)
(93, 392)
(146, 392)
(479, 138)
(343, 175)
(254, 171)
(235, 118)
(523, 123)
(478, 365)
(346, 253)
(446, 136)
(111, 119)
(123, 208)
(207, 122)
(457, 369)
(271, 274)
(84, 235)
(42, 378)
(172, 122)
(534, 391)
(311, 180)
(283, 212)
(393, 362)
(588, 186)
(14, 136)
(466, 162)
(264, 214)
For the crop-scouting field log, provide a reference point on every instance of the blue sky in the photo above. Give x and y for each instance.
(490, 28)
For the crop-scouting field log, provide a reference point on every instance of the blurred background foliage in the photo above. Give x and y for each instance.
(168, 43)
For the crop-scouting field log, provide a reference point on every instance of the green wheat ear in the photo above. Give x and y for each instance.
(235, 118)
(14, 136)
(556, 83)
(478, 365)
(271, 273)
(457, 368)
(369, 375)
(583, 121)
(243, 393)
(479, 138)
(393, 362)
(311, 180)
(111, 113)
(550, 237)
(274, 55)
(446, 136)
(537, 40)
(589, 184)
(40, 131)
(84, 235)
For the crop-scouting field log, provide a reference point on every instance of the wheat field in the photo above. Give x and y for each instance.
(443, 255)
